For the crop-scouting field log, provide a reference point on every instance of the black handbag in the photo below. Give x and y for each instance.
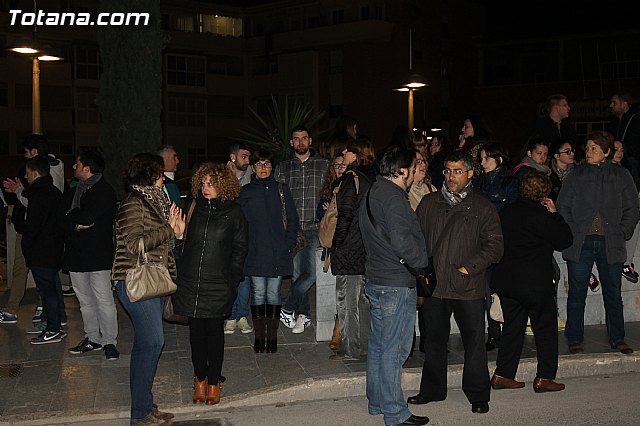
(425, 281)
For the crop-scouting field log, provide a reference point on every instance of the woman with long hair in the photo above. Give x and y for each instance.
(209, 270)
(144, 213)
(347, 252)
(272, 239)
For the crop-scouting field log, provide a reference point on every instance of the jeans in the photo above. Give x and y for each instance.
(594, 249)
(241, 305)
(48, 285)
(265, 290)
(148, 340)
(393, 313)
(304, 276)
(97, 305)
(353, 314)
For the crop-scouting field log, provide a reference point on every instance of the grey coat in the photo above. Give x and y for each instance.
(605, 188)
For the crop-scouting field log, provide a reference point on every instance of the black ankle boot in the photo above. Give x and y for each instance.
(258, 315)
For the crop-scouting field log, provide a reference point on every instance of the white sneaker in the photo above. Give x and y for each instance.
(301, 323)
(244, 326)
(287, 319)
(229, 326)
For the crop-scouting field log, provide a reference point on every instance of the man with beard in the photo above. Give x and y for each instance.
(390, 232)
(304, 174)
(556, 124)
(238, 163)
(463, 234)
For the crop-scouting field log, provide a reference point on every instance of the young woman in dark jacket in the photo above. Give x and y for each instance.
(347, 253)
(271, 246)
(209, 271)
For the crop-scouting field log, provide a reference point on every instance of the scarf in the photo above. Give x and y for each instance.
(156, 197)
(82, 187)
(561, 173)
(539, 167)
(455, 198)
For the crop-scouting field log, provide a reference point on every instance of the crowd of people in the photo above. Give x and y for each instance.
(376, 220)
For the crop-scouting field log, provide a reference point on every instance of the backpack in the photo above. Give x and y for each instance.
(328, 223)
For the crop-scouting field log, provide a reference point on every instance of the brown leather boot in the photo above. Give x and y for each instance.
(199, 388)
(213, 393)
(546, 385)
(336, 339)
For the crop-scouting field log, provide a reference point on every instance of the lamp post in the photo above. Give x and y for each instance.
(414, 82)
(38, 53)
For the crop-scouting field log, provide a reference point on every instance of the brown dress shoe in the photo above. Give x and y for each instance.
(213, 393)
(546, 385)
(576, 348)
(499, 382)
(623, 348)
(199, 389)
(162, 415)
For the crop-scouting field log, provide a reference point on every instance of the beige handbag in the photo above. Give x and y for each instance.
(495, 311)
(148, 279)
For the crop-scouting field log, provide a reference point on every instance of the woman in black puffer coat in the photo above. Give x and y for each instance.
(209, 271)
(270, 247)
(347, 253)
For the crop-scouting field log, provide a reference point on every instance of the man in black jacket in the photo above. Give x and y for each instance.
(88, 222)
(42, 244)
(388, 284)
(556, 124)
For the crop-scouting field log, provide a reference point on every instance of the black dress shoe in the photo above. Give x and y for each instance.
(480, 407)
(416, 420)
(418, 400)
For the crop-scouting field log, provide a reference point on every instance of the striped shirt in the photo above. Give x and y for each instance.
(305, 181)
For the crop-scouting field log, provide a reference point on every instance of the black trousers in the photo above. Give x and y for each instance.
(206, 336)
(540, 307)
(469, 315)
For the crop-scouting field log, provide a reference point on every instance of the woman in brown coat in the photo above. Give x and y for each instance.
(145, 213)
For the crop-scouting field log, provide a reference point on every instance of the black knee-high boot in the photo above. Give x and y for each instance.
(273, 322)
(258, 314)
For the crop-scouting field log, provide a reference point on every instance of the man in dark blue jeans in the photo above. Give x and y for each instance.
(42, 244)
(388, 284)
(304, 174)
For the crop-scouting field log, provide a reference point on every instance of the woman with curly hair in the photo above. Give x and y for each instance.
(209, 270)
(523, 279)
(144, 213)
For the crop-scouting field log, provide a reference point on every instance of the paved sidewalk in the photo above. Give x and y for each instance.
(47, 385)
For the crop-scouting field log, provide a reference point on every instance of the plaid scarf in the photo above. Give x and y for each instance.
(454, 198)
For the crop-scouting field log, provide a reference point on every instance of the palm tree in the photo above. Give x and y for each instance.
(274, 132)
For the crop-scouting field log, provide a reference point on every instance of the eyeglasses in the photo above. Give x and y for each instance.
(567, 151)
(339, 166)
(263, 165)
(420, 162)
(454, 171)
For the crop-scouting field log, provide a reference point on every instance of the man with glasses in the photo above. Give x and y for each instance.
(238, 163)
(304, 174)
(463, 234)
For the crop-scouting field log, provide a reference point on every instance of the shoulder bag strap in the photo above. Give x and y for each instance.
(189, 214)
(284, 208)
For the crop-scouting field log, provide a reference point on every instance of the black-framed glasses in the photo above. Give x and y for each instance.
(567, 151)
(454, 171)
(420, 161)
(339, 166)
(262, 165)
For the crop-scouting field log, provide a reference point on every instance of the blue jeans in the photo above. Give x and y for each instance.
(304, 276)
(393, 313)
(265, 290)
(48, 285)
(241, 305)
(148, 340)
(594, 249)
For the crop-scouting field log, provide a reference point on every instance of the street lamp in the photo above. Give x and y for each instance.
(38, 53)
(414, 82)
